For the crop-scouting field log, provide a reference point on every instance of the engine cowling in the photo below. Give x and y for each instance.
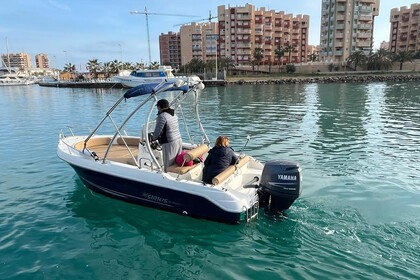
(280, 185)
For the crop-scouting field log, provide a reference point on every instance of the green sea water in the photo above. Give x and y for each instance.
(358, 216)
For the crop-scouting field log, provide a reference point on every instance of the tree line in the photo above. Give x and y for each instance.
(381, 59)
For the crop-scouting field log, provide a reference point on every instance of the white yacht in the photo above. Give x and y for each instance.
(151, 76)
(14, 79)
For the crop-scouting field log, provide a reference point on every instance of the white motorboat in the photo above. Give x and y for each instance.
(151, 76)
(12, 78)
(129, 167)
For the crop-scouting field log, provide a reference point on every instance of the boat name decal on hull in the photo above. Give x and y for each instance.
(155, 198)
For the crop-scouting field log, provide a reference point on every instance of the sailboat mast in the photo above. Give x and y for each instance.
(8, 57)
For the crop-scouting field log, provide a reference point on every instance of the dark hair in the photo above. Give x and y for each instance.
(163, 103)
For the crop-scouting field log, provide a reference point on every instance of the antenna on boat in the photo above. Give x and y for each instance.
(146, 13)
(243, 148)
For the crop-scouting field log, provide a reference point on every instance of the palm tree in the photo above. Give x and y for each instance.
(279, 52)
(258, 56)
(126, 66)
(381, 59)
(154, 65)
(357, 58)
(94, 67)
(138, 66)
(313, 57)
(227, 63)
(403, 56)
(290, 49)
(69, 68)
(107, 68)
(210, 65)
(194, 66)
(115, 66)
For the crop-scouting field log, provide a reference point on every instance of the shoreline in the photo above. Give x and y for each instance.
(337, 78)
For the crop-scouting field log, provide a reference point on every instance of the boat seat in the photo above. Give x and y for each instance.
(229, 171)
(189, 156)
(92, 142)
(175, 168)
(131, 141)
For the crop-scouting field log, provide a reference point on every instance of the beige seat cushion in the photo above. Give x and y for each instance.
(229, 171)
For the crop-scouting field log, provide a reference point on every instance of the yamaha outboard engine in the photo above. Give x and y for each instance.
(280, 185)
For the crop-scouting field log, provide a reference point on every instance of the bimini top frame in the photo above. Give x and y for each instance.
(153, 90)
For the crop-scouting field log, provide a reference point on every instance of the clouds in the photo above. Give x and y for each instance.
(59, 6)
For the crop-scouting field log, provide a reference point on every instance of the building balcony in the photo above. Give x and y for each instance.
(363, 44)
(340, 17)
(243, 46)
(363, 35)
(243, 16)
(339, 35)
(341, 8)
(363, 17)
(365, 9)
(365, 26)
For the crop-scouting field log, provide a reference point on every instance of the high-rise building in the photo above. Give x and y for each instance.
(170, 49)
(346, 27)
(405, 29)
(243, 29)
(17, 60)
(239, 31)
(199, 41)
(41, 60)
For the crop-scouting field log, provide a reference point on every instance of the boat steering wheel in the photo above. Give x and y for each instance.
(154, 144)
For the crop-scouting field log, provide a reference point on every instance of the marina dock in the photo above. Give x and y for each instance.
(110, 84)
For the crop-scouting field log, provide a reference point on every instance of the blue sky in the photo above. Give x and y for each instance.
(76, 31)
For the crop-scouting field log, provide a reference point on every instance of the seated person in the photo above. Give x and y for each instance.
(218, 159)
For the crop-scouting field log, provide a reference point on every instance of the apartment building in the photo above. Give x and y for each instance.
(199, 41)
(238, 32)
(243, 29)
(17, 60)
(405, 29)
(41, 60)
(346, 27)
(170, 49)
(384, 45)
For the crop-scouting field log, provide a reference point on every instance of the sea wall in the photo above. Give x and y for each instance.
(326, 79)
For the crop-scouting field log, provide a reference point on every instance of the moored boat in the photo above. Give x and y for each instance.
(14, 78)
(129, 167)
(150, 76)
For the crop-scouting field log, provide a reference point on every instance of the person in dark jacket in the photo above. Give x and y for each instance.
(167, 133)
(218, 159)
